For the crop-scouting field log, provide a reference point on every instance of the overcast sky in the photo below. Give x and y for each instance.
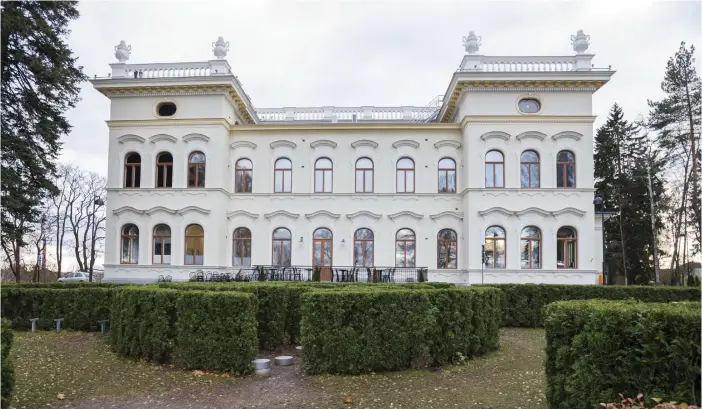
(352, 53)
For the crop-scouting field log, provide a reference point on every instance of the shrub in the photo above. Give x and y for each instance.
(597, 349)
(640, 403)
(377, 328)
(80, 306)
(57, 285)
(7, 372)
(523, 303)
(216, 330)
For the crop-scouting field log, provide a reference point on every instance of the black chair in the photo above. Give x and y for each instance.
(297, 274)
(168, 278)
(199, 276)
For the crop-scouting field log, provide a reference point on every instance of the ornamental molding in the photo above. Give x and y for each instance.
(526, 119)
(499, 210)
(531, 134)
(130, 138)
(567, 135)
(366, 213)
(156, 209)
(196, 137)
(282, 213)
(237, 213)
(569, 210)
(364, 142)
(448, 143)
(322, 143)
(163, 138)
(127, 209)
(243, 144)
(495, 135)
(455, 215)
(405, 142)
(535, 210)
(529, 89)
(413, 215)
(318, 213)
(282, 143)
(196, 209)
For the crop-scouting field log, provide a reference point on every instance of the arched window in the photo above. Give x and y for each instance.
(130, 244)
(405, 175)
(283, 175)
(194, 245)
(162, 244)
(447, 249)
(447, 176)
(363, 248)
(243, 176)
(531, 247)
(364, 175)
(282, 247)
(494, 169)
(164, 170)
(567, 248)
(495, 247)
(565, 169)
(132, 170)
(241, 255)
(529, 169)
(405, 246)
(323, 176)
(196, 169)
(322, 247)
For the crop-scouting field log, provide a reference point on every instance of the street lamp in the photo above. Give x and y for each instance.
(599, 201)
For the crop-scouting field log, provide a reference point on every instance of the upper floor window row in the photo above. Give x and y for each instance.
(164, 169)
(529, 169)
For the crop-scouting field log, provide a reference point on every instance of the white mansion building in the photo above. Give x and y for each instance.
(200, 179)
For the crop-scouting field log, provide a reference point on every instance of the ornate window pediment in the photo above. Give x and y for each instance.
(237, 213)
(455, 215)
(130, 138)
(366, 213)
(163, 138)
(196, 137)
(283, 213)
(282, 143)
(495, 135)
(413, 215)
(319, 213)
(364, 142)
(405, 142)
(323, 142)
(531, 134)
(447, 143)
(243, 144)
(567, 135)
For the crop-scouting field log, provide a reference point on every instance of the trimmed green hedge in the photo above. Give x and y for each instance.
(524, 303)
(597, 349)
(7, 372)
(381, 329)
(194, 329)
(81, 306)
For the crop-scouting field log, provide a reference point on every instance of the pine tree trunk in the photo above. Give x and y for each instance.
(656, 267)
(693, 172)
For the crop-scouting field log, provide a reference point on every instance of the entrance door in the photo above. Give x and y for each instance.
(322, 252)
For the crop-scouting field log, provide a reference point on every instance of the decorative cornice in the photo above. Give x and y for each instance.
(196, 137)
(364, 142)
(413, 215)
(164, 138)
(318, 213)
(160, 209)
(311, 127)
(127, 209)
(497, 209)
(366, 213)
(236, 213)
(455, 215)
(284, 213)
(323, 142)
(531, 134)
(130, 138)
(243, 144)
(567, 135)
(536, 210)
(526, 119)
(197, 209)
(283, 143)
(405, 142)
(449, 143)
(167, 123)
(495, 135)
(571, 210)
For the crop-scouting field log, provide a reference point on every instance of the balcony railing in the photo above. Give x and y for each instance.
(481, 63)
(347, 114)
(334, 274)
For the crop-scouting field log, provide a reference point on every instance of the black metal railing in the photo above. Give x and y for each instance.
(332, 274)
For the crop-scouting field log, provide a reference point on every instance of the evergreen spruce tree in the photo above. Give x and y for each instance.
(40, 82)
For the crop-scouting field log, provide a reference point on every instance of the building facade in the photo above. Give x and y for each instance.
(490, 183)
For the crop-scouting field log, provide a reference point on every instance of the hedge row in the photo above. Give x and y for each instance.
(81, 307)
(193, 329)
(524, 302)
(360, 330)
(69, 285)
(7, 373)
(597, 349)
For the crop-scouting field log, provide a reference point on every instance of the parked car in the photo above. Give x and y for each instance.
(77, 277)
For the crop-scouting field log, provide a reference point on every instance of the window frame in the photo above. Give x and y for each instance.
(324, 171)
(363, 175)
(154, 236)
(530, 242)
(529, 165)
(446, 243)
(240, 243)
(494, 167)
(562, 244)
(322, 242)
(165, 166)
(494, 239)
(564, 170)
(196, 166)
(133, 169)
(446, 172)
(398, 169)
(185, 245)
(131, 238)
(405, 241)
(281, 241)
(363, 248)
(282, 171)
(241, 188)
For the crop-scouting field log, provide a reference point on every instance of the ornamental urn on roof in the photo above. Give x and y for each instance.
(220, 48)
(472, 43)
(580, 42)
(122, 51)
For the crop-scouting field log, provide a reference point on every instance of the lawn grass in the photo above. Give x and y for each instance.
(83, 367)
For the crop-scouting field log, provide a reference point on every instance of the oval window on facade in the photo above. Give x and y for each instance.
(166, 109)
(529, 105)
